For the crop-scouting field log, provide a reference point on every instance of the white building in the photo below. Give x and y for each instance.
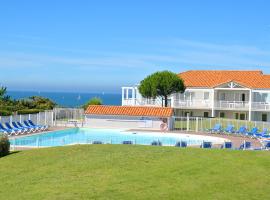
(241, 95)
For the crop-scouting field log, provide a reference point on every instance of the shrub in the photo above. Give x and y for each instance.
(4, 145)
(5, 113)
(28, 111)
(93, 101)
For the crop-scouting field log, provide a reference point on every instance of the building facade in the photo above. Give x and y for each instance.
(243, 95)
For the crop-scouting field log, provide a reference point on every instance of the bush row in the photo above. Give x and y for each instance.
(4, 145)
(20, 112)
(28, 111)
(5, 113)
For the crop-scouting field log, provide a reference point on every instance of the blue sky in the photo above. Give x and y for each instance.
(95, 46)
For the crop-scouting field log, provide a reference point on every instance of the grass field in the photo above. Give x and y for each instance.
(134, 172)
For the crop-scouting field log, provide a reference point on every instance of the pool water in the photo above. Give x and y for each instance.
(110, 136)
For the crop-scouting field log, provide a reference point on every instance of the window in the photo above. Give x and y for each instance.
(222, 96)
(206, 114)
(206, 95)
(188, 113)
(242, 116)
(236, 115)
(264, 117)
(222, 115)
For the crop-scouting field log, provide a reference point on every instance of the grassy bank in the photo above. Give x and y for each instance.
(134, 172)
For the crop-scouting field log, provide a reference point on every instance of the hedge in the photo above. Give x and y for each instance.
(5, 113)
(4, 145)
(28, 111)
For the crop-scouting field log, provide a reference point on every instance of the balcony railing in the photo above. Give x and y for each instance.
(204, 104)
(261, 106)
(142, 102)
(192, 103)
(232, 105)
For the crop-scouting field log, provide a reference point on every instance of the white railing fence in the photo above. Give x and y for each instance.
(68, 116)
(41, 118)
(197, 124)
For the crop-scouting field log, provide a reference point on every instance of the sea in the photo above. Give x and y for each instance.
(69, 99)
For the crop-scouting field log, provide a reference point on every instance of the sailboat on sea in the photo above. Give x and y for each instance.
(79, 97)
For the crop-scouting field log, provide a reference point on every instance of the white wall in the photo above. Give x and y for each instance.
(123, 122)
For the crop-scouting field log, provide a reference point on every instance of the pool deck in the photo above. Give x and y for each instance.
(236, 140)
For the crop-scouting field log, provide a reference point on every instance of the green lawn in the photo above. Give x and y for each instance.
(134, 172)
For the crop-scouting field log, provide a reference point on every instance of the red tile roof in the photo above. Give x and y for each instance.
(214, 78)
(129, 111)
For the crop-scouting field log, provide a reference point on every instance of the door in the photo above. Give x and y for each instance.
(264, 117)
(243, 98)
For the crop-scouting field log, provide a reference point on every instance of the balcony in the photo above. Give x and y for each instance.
(192, 104)
(232, 105)
(261, 106)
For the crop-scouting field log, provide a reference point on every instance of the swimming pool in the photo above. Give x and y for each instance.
(110, 136)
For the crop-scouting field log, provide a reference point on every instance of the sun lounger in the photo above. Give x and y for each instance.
(229, 129)
(30, 126)
(263, 134)
(245, 145)
(17, 131)
(156, 143)
(181, 144)
(24, 130)
(97, 142)
(242, 130)
(206, 145)
(43, 128)
(227, 145)
(253, 131)
(21, 126)
(216, 129)
(6, 131)
(267, 145)
(127, 142)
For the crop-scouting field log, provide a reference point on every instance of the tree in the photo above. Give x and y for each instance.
(93, 101)
(161, 84)
(3, 96)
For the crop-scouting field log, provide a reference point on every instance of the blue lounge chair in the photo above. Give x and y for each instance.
(229, 129)
(5, 130)
(24, 129)
(216, 129)
(245, 145)
(263, 134)
(181, 144)
(242, 130)
(17, 131)
(127, 142)
(267, 145)
(227, 145)
(156, 143)
(253, 131)
(43, 128)
(30, 126)
(206, 145)
(97, 142)
(21, 126)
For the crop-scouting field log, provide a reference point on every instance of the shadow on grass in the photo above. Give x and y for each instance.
(10, 153)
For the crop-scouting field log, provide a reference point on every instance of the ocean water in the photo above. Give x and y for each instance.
(66, 99)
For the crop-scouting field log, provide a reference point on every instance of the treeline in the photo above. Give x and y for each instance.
(34, 104)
